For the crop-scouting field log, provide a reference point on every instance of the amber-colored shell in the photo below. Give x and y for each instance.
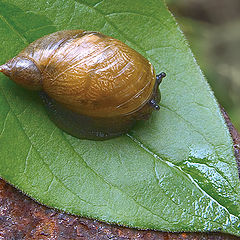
(88, 73)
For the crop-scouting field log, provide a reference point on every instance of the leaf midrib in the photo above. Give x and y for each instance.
(57, 178)
(143, 51)
(141, 145)
(32, 145)
(26, 42)
(207, 141)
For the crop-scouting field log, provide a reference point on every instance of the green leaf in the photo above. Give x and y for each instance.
(175, 172)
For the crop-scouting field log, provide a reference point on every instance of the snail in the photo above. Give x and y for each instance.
(93, 86)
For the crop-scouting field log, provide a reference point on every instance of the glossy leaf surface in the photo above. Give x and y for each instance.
(175, 172)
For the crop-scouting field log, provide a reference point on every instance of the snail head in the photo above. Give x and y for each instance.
(23, 71)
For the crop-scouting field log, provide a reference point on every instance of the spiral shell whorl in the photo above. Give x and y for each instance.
(99, 76)
(87, 72)
(24, 72)
(93, 86)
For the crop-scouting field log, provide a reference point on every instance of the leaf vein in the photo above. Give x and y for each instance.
(26, 160)
(5, 122)
(110, 184)
(113, 25)
(193, 128)
(40, 156)
(14, 30)
(141, 145)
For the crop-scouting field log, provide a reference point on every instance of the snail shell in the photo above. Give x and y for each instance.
(93, 86)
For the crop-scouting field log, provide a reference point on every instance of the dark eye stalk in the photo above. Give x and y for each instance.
(159, 78)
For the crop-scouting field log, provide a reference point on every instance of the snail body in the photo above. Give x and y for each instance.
(93, 86)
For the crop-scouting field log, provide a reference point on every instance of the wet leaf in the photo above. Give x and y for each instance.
(175, 172)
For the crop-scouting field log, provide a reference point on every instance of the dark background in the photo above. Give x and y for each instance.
(212, 28)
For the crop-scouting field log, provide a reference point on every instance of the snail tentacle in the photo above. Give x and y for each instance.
(154, 104)
(160, 77)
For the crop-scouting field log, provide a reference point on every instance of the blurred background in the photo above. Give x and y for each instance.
(212, 28)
